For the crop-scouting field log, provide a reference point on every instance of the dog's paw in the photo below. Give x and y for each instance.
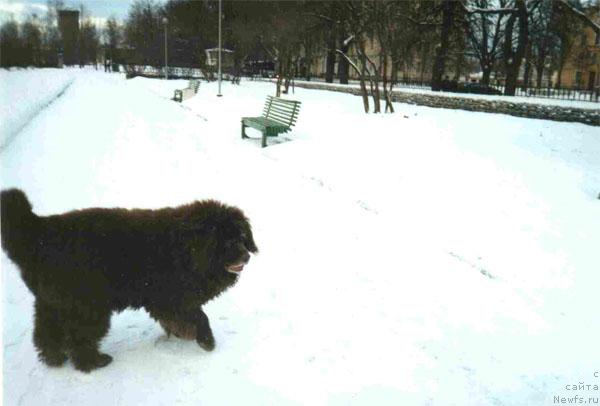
(207, 342)
(89, 363)
(54, 360)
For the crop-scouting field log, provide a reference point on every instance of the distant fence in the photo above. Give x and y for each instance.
(559, 93)
(590, 116)
(174, 72)
(544, 92)
(159, 72)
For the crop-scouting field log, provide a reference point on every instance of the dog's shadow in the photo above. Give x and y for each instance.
(172, 345)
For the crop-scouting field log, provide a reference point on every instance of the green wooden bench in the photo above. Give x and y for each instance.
(190, 91)
(279, 116)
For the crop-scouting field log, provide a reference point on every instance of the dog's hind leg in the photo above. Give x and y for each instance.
(49, 334)
(86, 327)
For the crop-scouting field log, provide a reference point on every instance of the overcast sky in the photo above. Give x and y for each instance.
(100, 10)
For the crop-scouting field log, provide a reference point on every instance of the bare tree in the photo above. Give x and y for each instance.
(581, 15)
(485, 32)
(112, 36)
(143, 31)
(358, 24)
(31, 38)
(543, 39)
(441, 51)
(10, 44)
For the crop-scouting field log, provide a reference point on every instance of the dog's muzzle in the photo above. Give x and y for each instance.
(238, 267)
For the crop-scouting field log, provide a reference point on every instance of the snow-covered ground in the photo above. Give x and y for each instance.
(38, 90)
(430, 257)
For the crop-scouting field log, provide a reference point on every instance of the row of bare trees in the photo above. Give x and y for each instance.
(539, 35)
(377, 39)
(36, 41)
(434, 40)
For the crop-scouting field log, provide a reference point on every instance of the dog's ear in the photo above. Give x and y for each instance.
(203, 251)
(200, 239)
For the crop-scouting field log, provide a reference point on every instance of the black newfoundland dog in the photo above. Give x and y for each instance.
(83, 265)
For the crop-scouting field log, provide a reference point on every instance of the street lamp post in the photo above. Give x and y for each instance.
(219, 94)
(165, 21)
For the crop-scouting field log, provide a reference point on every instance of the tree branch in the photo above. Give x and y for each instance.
(581, 15)
(350, 61)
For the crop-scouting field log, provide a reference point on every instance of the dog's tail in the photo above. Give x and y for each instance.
(18, 224)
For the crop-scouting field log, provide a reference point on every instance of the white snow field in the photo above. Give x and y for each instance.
(429, 257)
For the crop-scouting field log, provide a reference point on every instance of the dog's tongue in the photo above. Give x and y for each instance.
(236, 268)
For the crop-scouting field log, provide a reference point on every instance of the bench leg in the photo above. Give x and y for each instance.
(244, 131)
(264, 138)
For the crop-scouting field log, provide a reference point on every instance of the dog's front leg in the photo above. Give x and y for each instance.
(189, 323)
(204, 335)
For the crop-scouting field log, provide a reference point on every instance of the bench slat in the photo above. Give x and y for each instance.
(282, 101)
(282, 111)
(282, 106)
(290, 109)
(262, 123)
(285, 120)
(279, 103)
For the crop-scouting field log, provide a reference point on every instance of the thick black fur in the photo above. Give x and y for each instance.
(83, 265)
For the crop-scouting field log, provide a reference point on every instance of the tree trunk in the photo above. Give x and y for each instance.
(559, 78)
(363, 89)
(458, 69)
(343, 62)
(330, 62)
(288, 74)
(441, 52)
(363, 86)
(539, 73)
(394, 74)
(386, 92)
(487, 73)
(279, 79)
(527, 72)
(513, 58)
(373, 79)
(540, 63)
(424, 57)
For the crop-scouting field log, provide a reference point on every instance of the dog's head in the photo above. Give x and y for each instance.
(224, 238)
(235, 243)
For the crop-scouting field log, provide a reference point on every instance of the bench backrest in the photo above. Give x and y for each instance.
(282, 110)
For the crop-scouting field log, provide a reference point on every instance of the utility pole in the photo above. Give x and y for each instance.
(165, 22)
(219, 94)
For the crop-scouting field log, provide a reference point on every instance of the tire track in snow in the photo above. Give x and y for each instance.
(36, 112)
(361, 203)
